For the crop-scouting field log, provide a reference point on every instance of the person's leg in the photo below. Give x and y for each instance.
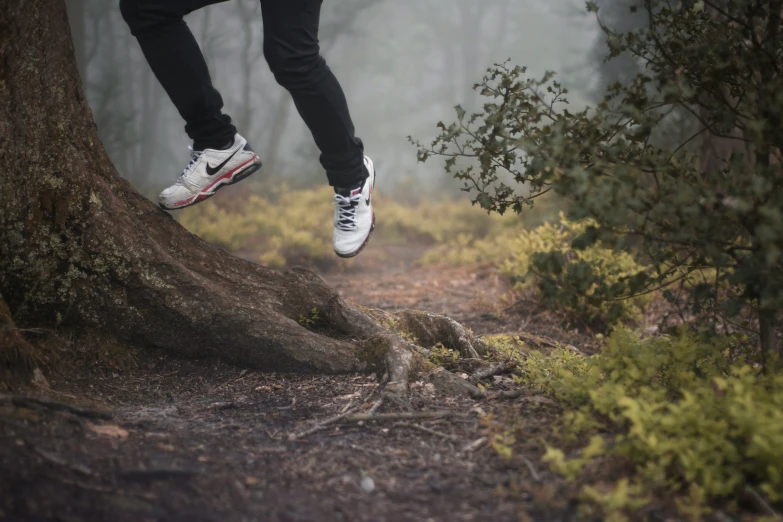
(292, 52)
(219, 156)
(177, 62)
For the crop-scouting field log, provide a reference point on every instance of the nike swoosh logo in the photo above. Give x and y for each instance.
(214, 170)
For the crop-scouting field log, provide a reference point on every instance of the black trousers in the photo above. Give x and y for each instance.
(292, 52)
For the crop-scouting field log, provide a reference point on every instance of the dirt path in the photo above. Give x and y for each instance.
(390, 278)
(199, 440)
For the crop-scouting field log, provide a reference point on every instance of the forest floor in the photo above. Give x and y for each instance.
(122, 435)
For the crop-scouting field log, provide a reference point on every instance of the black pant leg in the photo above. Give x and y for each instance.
(176, 60)
(292, 51)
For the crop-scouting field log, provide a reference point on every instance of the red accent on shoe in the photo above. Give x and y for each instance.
(202, 195)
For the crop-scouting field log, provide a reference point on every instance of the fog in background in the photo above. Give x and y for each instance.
(403, 64)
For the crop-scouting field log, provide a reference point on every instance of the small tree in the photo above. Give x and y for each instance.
(708, 210)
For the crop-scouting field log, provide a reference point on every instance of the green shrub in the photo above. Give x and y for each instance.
(580, 281)
(684, 159)
(286, 226)
(295, 226)
(688, 418)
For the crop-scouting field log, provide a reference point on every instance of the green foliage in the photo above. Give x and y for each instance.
(442, 356)
(614, 502)
(295, 226)
(310, 320)
(436, 222)
(708, 199)
(686, 417)
(286, 226)
(506, 348)
(581, 281)
(501, 435)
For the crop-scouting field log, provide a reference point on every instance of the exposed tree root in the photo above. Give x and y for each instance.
(80, 248)
(59, 461)
(430, 329)
(32, 402)
(425, 429)
(495, 369)
(394, 339)
(14, 350)
(452, 384)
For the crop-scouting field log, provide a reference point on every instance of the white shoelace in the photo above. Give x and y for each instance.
(194, 156)
(346, 211)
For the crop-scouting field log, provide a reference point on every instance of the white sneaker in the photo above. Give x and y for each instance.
(208, 170)
(354, 219)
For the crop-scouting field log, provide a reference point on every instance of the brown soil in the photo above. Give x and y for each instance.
(389, 277)
(200, 440)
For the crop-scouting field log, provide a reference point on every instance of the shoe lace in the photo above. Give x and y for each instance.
(194, 157)
(346, 211)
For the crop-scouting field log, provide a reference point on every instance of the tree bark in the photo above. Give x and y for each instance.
(768, 339)
(15, 352)
(80, 248)
(76, 16)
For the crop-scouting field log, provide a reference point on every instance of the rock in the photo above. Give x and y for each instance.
(39, 380)
(368, 484)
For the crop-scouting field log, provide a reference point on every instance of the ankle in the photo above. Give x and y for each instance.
(219, 145)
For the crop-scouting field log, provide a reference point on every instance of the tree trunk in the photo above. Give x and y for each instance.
(80, 248)
(768, 338)
(76, 15)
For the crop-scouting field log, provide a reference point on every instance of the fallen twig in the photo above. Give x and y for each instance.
(427, 430)
(61, 393)
(223, 405)
(359, 417)
(759, 501)
(242, 375)
(532, 469)
(271, 449)
(321, 425)
(347, 406)
(473, 446)
(375, 406)
(83, 485)
(512, 394)
(546, 341)
(156, 473)
(360, 448)
(31, 402)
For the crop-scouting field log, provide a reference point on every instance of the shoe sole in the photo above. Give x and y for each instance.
(372, 227)
(236, 177)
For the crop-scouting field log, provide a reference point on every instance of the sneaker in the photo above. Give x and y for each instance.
(354, 219)
(208, 170)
